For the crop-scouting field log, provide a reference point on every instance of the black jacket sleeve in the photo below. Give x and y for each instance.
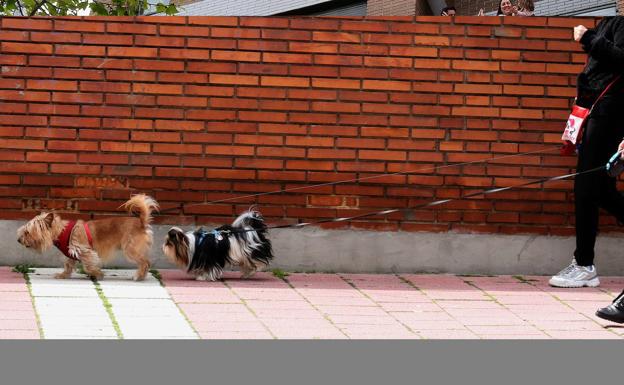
(604, 50)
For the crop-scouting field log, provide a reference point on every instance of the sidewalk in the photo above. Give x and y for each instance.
(302, 306)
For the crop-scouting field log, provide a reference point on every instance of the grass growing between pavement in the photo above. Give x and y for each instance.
(279, 273)
(25, 269)
(108, 307)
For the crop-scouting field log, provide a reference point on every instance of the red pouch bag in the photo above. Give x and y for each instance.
(573, 132)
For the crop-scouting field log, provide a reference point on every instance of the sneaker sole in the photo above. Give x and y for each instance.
(594, 282)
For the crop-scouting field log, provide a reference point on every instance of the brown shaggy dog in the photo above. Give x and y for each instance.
(93, 242)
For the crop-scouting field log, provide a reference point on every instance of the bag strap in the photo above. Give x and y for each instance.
(604, 92)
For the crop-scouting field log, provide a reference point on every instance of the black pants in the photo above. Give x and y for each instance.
(602, 135)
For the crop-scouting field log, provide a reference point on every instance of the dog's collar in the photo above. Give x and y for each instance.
(62, 242)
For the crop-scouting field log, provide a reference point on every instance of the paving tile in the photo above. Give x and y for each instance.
(308, 306)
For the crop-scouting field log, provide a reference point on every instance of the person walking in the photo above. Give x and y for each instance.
(603, 131)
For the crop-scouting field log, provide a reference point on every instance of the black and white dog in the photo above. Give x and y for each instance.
(204, 254)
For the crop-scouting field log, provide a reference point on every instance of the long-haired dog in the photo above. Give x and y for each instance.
(93, 242)
(204, 254)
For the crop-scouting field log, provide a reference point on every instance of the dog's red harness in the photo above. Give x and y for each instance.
(62, 242)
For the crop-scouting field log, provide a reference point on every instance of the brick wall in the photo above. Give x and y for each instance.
(206, 108)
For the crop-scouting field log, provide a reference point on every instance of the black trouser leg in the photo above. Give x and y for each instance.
(595, 190)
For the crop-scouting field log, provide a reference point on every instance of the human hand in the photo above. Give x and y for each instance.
(444, 14)
(514, 10)
(579, 31)
(481, 13)
(621, 149)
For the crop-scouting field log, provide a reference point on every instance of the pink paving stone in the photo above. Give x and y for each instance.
(338, 301)
(531, 300)
(12, 286)
(363, 320)
(281, 323)
(422, 316)
(20, 324)
(439, 294)
(409, 307)
(353, 310)
(231, 326)
(595, 296)
(350, 293)
(198, 290)
(233, 335)
(619, 330)
(28, 314)
(551, 316)
(16, 305)
(18, 296)
(214, 308)
(289, 314)
(372, 278)
(420, 325)
(540, 308)
(279, 305)
(490, 321)
(19, 334)
(207, 298)
(303, 335)
(285, 295)
(448, 334)
(521, 290)
(583, 335)
(527, 336)
(481, 305)
(480, 313)
(568, 325)
(433, 279)
(379, 298)
(505, 329)
(381, 335)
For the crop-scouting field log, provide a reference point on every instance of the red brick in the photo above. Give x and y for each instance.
(79, 50)
(274, 57)
(234, 79)
(26, 48)
(138, 29)
(176, 30)
(157, 65)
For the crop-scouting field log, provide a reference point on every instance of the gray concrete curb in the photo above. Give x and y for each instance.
(355, 251)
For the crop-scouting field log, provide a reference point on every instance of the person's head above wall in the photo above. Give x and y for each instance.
(448, 11)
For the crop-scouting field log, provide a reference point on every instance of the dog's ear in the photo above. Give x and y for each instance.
(48, 219)
(175, 234)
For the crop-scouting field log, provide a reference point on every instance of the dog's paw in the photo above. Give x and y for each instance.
(61, 276)
(97, 276)
(201, 278)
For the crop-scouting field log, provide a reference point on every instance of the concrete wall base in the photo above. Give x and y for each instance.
(354, 251)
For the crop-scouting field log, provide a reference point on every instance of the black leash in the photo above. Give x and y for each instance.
(181, 206)
(408, 211)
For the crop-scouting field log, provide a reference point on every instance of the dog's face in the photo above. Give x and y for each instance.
(38, 233)
(177, 247)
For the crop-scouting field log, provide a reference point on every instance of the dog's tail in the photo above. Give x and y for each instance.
(143, 206)
(254, 244)
(251, 218)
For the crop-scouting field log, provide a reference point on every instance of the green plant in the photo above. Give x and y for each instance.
(156, 275)
(23, 268)
(76, 7)
(279, 273)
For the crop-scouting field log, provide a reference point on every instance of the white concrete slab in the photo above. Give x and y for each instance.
(144, 310)
(69, 308)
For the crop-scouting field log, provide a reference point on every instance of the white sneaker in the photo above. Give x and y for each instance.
(576, 276)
